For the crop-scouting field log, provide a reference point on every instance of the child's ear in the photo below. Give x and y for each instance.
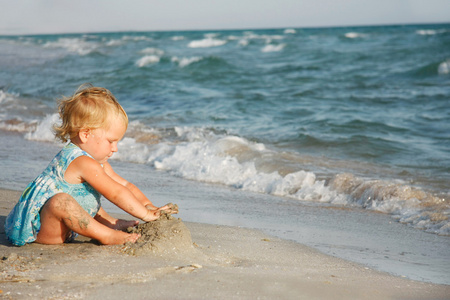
(83, 134)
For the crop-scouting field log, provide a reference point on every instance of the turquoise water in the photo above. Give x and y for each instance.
(351, 116)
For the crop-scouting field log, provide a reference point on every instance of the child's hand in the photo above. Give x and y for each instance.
(169, 208)
(151, 215)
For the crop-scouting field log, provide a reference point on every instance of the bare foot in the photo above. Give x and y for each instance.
(120, 238)
(133, 238)
(124, 224)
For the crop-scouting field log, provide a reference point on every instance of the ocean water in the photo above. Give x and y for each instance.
(355, 119)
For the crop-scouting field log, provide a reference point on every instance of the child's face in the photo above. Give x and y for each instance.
(102, 143)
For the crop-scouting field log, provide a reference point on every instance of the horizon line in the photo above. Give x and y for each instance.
(225, 29)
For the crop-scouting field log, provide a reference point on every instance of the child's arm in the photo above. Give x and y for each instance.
(137, 192)
(104, 218)
(130, 186)
(89, 170)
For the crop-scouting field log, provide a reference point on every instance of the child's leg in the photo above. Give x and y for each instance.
(62, 214)
(118, 224)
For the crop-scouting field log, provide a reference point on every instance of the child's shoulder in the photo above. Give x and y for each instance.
(70, 153)
(83, 168)
(72, 150)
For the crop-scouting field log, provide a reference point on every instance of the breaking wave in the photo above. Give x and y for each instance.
(203, 155)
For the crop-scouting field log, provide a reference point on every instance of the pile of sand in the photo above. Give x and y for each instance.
(166, 235)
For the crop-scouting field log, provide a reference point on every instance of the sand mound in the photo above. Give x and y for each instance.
(165, 235)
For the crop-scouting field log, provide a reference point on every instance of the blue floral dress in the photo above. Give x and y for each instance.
(23, 222)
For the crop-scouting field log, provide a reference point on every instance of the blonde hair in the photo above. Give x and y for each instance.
(89, 108)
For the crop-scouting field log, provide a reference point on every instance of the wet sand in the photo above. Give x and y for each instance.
(221, 263)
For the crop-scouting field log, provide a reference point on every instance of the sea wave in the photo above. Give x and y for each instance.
(3, 96)
(206, 155)
(354, 35)
(147, 60)
(267, 37)
(177, 38)
(16, 125)
(303, 100)
(444, 67)
(43, 130)
(206, 43)
(152, 51)
(137, 38)
(290, 31)
(243, 42)
(83, 45)
(199, 154)
(429, 31)
(15, 114)
(186, 61)
(74, 45)
(273, 48)
(407, 204)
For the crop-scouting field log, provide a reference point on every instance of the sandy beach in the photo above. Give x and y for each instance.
(222, 263)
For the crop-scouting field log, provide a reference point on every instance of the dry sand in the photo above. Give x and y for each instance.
(191, 261)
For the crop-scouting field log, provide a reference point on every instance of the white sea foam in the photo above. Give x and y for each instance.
(114, 43)
(136, 38)
(147, 60)
(177, 38)
(43, 131)
(74, 45)
(248, 36)
(407, 204)
(16, 125)
(290, 31)
(90, 36)
(243, 42)
(426, 32)
(186, 61)
(273, 48)
(444, 67)
(206, 43)
(228, 160)
(4, 96)
(11, 118)
(267, 37)
(354, 35)
(152, 51)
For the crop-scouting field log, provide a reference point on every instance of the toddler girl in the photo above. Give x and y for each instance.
(65, 198)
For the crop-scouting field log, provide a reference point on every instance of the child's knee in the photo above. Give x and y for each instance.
(59, 202)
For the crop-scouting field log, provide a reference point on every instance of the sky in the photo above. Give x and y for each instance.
(19, 17)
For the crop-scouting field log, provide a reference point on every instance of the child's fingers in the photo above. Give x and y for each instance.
(169, 208)
(151, 215)
(173, 208)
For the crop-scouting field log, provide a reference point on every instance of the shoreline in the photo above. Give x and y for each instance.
(225, 262)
